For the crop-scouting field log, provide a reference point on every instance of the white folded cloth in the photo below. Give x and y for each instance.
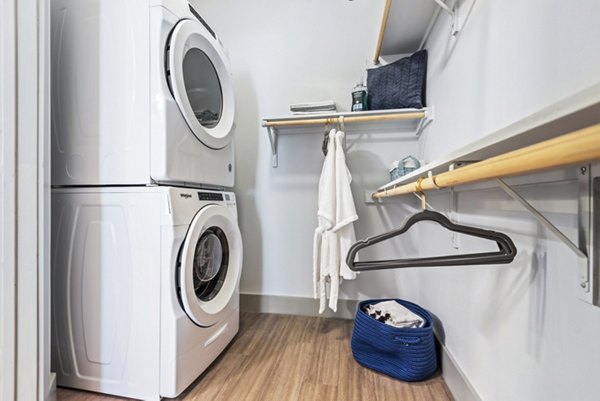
(326, 104)
(394, 314)
(313, 112)
(314, 107)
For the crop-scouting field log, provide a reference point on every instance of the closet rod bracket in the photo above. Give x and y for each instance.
(584, 249)
(589, 202)
(541, 218)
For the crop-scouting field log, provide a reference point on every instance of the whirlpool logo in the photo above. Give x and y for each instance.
(186, 196)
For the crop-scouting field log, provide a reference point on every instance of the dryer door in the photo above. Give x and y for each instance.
(210, 264)
(200, 82)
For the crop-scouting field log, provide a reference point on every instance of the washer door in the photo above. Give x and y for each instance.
(210, 265)
(201, 84)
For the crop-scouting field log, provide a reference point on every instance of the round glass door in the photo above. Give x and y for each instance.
(201, 83)
(211, 258)
(203, 88)
(210, 265)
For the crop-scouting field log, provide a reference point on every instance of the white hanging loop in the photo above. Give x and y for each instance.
(432, 178)
(341, 126)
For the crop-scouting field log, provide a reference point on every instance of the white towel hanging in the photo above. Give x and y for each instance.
(335, 231)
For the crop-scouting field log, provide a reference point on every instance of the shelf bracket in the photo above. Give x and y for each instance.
(273, 139)
(425, 121)
(453, 14)
(444, 7)
(587, 264)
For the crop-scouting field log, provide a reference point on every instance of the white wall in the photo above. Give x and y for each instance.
(518, 331)
(287, 52)
(512, 59)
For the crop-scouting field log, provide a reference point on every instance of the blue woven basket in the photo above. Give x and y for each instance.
(407, 354)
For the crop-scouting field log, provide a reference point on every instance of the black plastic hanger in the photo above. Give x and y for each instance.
(506, 253)
(325, 139)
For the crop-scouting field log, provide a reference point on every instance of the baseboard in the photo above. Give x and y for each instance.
(51, 392)
(455, 379)
(258, 303)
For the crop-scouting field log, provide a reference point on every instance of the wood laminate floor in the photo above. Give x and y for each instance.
(289, 358)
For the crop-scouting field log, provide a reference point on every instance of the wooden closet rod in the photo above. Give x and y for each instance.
(384, 19)
(345, 119)
(576, 147)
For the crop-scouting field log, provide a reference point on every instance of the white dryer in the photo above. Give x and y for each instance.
(141, 94)
(145, 287)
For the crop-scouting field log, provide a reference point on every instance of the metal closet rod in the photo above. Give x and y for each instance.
(576, 147)
(344, 119)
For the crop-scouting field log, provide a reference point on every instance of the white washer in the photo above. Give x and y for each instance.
(145, 287)
(141, 94)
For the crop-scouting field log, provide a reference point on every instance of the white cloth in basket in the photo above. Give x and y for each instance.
(394, 314)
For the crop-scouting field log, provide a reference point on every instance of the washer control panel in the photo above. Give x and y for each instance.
(212, 196)
(185, 203)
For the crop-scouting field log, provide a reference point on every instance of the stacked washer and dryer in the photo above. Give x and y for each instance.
(146, 249)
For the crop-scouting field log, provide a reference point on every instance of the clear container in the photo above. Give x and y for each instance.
(403, 167)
